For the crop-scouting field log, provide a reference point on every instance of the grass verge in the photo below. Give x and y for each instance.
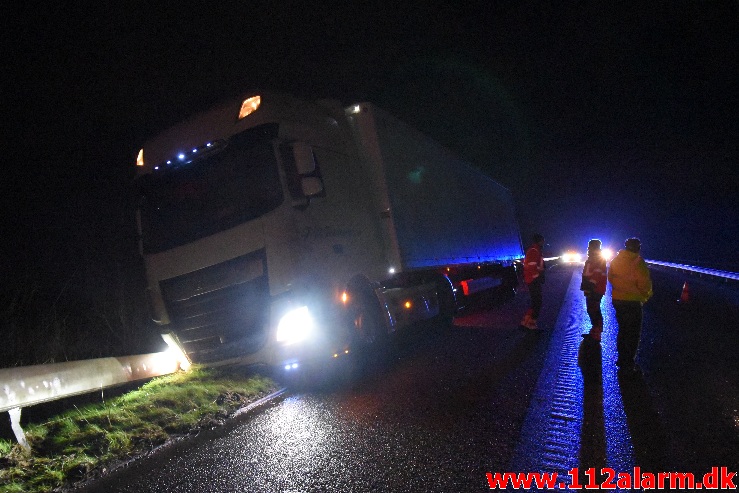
(85, 442)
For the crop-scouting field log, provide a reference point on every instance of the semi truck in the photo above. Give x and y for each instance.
(280, 231)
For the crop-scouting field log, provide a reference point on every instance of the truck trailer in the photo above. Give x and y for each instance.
(279, 231)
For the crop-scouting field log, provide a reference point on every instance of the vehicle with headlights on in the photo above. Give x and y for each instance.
(276, 230)
(571, 257)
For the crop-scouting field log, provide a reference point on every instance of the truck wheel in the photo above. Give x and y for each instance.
(364, 317)
(447, 301)
(366, 322)
(510, 282)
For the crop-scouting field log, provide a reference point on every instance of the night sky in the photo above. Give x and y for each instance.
(603, 120)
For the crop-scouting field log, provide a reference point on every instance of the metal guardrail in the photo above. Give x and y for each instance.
(25, 386)
(699, 270)
(28, 385)
(725, 274)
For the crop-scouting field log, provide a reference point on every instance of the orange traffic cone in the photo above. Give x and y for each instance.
(685, 295)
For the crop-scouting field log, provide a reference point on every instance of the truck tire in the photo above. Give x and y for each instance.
(447, 300)
(510, 282)
(366, 322)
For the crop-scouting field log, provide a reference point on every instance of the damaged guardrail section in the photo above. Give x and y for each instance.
(28, 385)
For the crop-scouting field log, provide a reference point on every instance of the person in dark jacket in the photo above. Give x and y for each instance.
(593, 286)
(533, 276)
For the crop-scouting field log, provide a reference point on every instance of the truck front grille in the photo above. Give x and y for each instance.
(220, 312)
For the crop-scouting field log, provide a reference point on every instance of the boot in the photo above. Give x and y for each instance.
(595, 332)
(526, 321)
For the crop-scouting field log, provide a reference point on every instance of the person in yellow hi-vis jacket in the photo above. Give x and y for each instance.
(631, 287)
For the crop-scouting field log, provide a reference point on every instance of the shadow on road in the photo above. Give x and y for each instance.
(645, 425)
(593, 433)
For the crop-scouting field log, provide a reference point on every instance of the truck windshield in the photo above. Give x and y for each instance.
(235, 182)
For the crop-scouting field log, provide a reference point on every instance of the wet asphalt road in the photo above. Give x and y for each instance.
(688, 400)
(450, 404)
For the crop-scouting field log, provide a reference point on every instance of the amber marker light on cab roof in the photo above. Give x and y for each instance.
(140, 158)
(249, 106)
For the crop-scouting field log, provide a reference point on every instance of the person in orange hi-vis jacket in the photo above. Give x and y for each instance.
(533, 276)
(593, 285)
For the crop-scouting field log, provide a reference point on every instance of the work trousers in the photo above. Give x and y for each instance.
(592, 304)
(536, 300)
(629, 318)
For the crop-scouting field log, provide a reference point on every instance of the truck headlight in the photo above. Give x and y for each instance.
(295, 326)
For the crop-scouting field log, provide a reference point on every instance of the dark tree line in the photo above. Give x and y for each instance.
(78, 290)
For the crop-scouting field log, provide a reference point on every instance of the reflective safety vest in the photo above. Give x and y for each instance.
(533, 263)
(595, 272)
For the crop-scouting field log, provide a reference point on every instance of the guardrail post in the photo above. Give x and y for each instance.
(15, 424)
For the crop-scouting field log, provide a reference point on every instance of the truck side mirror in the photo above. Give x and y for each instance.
(311, 186)
(305, 162)
(302, 172)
